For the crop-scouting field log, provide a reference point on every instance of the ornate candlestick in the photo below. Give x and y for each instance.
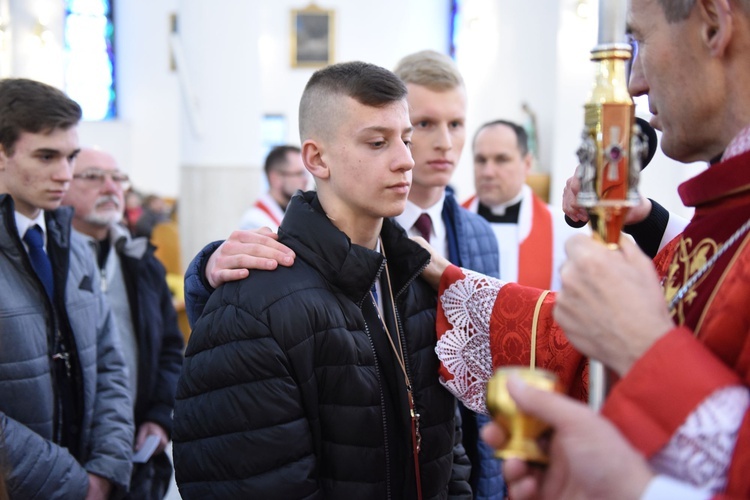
(610, 153)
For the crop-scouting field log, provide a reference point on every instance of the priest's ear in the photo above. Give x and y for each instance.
(717, 19)
(528, 162)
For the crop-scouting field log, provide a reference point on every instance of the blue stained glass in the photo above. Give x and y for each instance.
(455, 27)
(89, 7)
(89, 57)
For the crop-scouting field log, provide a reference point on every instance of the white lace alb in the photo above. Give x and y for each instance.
(464, 349)
(701, 450)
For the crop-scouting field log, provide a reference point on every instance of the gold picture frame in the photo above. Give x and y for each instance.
(312, 39)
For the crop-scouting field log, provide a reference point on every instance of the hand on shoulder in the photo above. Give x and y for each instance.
(245, 250)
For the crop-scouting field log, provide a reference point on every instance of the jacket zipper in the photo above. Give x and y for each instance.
(382, 415)
(406, 360)
(380, 387)
(52, 342)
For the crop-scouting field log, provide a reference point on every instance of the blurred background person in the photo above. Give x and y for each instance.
(133, 208)
(531, 234)
(153, 211)
(286, 175)
(134, 284)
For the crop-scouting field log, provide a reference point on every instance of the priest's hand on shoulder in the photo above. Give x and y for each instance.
(437, 265)
(244, 250)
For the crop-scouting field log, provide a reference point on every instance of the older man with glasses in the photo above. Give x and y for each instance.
(134, 283)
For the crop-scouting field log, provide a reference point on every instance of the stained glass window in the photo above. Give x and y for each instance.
(90, 58)
(455, 27)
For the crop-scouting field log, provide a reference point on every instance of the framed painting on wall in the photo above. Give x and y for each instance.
(312, 37)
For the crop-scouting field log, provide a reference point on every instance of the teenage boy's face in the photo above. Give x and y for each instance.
(439, 120)
(370, 160)
(39, 172)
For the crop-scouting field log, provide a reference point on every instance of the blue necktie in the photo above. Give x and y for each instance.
(39, 259)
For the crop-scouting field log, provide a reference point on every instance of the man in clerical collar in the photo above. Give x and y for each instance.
(530, 234)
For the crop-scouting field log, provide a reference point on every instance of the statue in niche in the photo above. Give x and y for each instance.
(531, 131)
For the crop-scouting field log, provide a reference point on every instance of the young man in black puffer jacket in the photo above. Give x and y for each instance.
(320, 380)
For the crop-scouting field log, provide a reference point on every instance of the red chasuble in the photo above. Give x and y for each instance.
(710, 347)
(484, 323)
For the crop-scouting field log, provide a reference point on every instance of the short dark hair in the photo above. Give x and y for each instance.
(679, 10)
(277, 157)
(521, 136)
(366, 83)
(31, 106)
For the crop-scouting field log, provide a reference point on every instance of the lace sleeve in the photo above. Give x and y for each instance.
(701, 450)
(464, 347)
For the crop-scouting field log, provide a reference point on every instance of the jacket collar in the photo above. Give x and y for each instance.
(57, 222)
(122, 242)
(125, 244)
(351, 268)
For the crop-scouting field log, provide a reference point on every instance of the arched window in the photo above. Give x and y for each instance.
(90, 58)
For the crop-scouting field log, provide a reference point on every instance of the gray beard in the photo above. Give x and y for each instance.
(104, 218)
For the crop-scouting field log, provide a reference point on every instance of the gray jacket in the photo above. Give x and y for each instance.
(35, 465)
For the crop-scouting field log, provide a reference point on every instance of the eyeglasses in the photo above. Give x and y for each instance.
(633, 54)
(97, 177)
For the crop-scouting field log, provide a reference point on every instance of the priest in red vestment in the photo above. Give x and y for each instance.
(676, 332)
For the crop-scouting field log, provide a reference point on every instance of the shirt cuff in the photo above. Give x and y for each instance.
(649, 233)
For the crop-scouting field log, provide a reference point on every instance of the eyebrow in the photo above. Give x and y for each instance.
(52, 151)
(47, 152)
(629, 29)
(94, 168)
(386, 130)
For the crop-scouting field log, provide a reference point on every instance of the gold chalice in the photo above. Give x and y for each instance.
(523, 430)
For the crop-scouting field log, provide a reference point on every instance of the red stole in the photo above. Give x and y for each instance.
(535, 252)
(262, 206)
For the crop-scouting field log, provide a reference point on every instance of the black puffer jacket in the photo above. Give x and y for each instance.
(282, 392)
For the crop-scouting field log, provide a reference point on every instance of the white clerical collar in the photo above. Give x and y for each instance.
(501, 208)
